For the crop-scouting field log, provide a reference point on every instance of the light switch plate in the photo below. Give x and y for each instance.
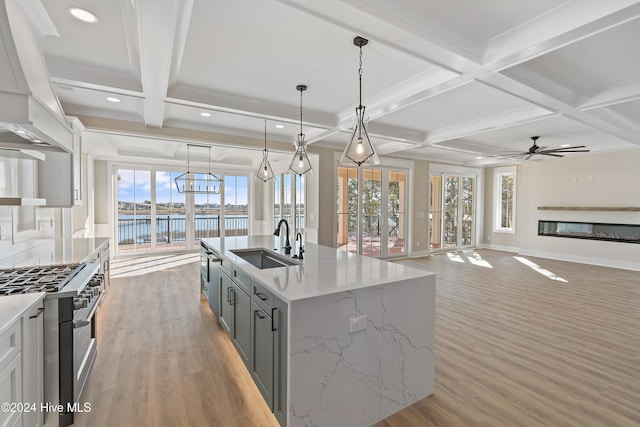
(358, 323)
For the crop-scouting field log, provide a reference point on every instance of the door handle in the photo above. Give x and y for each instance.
(80, 324)
(38, 313)
(274, 327)
(233, 297)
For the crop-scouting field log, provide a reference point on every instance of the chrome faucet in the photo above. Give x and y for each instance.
(301, 248)
(287, 244)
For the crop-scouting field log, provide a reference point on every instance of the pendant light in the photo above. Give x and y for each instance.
(300, 163)
(265, 173)
(360, 150)
(198, 183)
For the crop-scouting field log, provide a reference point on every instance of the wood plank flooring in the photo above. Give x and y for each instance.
(514, 347)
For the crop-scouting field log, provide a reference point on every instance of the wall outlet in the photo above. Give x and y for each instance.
(358, 323)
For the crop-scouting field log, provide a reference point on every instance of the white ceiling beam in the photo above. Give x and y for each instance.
(610, 95)
(69, 73)
(161, 31)
(573, 21)
(503, 120)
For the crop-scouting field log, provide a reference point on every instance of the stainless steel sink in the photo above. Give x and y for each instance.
(262, 258)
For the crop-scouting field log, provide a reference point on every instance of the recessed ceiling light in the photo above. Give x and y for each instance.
(36, 140)
(565, 145)
(83, 15)
(205, 114)
(21, 132)
(280, 126)
(112, 99)
(479, 158)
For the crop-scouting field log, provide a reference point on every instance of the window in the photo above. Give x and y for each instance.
(289, 192)
(505, 200)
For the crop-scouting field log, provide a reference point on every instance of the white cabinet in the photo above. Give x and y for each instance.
(21, 360)
(11, 372)
(77, 170)
(33, 363)
(55, 179)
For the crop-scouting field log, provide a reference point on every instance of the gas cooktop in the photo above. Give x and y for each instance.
(48, 278)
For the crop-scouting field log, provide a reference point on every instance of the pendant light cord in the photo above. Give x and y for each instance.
(265, 136)
(301, 90)
(360, 76)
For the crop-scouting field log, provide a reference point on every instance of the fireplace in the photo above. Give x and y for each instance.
(626, 233)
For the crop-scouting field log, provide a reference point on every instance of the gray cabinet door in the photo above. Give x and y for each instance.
(226, 303)
(262, 353)
(214, 288)
(280, 314)
(242, 323)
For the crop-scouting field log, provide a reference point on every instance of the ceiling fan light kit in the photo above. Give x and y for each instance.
(544, 151)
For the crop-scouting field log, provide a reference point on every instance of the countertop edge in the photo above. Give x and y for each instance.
(13, 307)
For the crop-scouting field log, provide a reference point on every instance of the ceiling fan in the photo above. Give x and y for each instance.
(554, 152)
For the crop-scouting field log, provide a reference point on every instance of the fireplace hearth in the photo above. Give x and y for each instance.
(625, 233)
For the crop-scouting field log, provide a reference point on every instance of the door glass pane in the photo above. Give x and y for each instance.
(451, 211)
(347, 209)
(435, 212)
(467, 211)
(134, 210)
(371, 211)
(170, 212)
(396, 213)
(206, 214)
(236, 205)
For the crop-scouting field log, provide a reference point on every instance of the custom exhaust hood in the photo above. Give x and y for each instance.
(31, 117)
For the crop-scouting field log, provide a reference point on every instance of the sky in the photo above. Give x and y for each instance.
(136, 186)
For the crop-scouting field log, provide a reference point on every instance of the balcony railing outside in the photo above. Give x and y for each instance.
(137, 231)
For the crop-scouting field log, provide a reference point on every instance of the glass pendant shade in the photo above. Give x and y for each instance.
(360, 150)
(198, 183)
(264, 172)
(300, 163)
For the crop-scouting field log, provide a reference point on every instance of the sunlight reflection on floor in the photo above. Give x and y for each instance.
(473, 257)
(127, 267)
(539, 269)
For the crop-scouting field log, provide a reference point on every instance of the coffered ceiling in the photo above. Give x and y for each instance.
(447, 81)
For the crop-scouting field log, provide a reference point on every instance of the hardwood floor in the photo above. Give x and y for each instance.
(514, 347)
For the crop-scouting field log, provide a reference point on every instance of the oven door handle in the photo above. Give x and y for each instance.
(86, 322)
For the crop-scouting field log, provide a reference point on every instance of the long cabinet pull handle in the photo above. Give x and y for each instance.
(38, 313)
(260, 315)
(273, 319)
(233, 296)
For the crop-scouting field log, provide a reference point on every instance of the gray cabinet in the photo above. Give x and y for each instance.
(280, 356)
(235, 315)
(256, 321)
(242, 323)
(227, 312)
(214, 287)
(262, 340)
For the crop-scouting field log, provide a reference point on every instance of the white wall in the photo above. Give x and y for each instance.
(610, 179)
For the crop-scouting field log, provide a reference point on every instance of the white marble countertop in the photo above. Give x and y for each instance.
(13, 307)
(324, 270)
(54, 251)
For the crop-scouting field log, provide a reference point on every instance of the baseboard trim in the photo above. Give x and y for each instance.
(500, 248)
(583, 260)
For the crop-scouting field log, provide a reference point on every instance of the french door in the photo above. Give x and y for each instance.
(452, 211)
(371, 211)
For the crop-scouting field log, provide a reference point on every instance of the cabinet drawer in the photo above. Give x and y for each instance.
(226, 265)
(242, 279)
(10, 343)
(261, 296)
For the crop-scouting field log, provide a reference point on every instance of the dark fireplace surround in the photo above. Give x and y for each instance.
(625, 233)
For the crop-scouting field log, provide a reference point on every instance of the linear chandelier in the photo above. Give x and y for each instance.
(300, 163)
(198, 183)
(265, 173)
(360, 150)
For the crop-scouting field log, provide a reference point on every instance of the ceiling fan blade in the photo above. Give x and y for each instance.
(547, 153)
(568, 148)
(572, 151)
(528, 156)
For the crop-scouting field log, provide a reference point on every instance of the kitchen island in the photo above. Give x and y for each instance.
(359, 340)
